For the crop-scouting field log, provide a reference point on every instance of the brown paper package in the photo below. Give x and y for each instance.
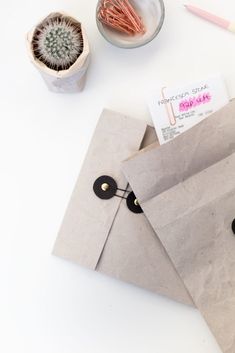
(187, 191)
(104, 235)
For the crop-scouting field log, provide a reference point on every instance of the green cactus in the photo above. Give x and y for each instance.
(58, 41)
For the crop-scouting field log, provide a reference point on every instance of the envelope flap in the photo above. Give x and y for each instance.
(194, 220)
(194, 193)
(88, 219)
(157, 169)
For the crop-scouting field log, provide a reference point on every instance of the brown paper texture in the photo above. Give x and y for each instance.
(64, 81)
(189, 198)
(104, 235)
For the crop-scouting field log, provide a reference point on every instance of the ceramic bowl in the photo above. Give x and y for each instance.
(152, 13)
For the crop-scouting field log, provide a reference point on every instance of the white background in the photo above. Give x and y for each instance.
(48, 305)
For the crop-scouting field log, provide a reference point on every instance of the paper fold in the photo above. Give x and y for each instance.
(187, 191)
(104, 235)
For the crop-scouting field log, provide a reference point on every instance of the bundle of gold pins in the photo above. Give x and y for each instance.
(120, 15)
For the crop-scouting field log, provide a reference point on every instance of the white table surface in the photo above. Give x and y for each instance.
(48, 305)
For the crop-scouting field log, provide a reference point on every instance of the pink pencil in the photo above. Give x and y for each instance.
(221, 22)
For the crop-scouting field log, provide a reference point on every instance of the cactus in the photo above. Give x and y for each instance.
(58, 42)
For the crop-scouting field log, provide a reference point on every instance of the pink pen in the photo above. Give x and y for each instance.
(221, 22)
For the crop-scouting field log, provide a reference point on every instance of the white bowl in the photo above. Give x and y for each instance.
(152, 13)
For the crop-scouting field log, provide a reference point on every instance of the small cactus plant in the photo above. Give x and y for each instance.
(58, 47)
(58, 42)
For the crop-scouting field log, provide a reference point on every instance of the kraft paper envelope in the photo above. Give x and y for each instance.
(187, 191)
(104, 234)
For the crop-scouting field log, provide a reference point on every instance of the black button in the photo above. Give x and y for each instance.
(233, 226)
(105, 187)
(133, 204)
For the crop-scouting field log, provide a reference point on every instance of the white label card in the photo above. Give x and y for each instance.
(175, 110)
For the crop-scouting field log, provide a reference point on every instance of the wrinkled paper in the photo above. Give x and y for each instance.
(104, 235)
(187, 191)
